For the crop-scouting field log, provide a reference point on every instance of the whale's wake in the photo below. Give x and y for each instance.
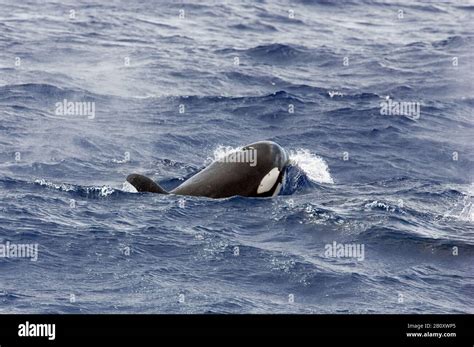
(313, 165)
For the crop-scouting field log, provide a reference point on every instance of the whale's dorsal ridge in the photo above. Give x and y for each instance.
(145, 184)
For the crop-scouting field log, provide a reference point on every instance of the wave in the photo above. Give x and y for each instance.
(90, 192)
(455, 41)
(294, 93)
(281, 53)
(463, 208)
(84, 191)
(36, 88)
(389, 235)
(375, 3)
(42, 91)
(254, 26)
(275, 51)
(383, 205)
(341, 94)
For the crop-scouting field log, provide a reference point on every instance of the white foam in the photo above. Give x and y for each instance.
(463, 209)
(128, 187)
(102, 191)
(63, 186)
(314, 166)
(334, 93)
(467, 213)
(105, 190)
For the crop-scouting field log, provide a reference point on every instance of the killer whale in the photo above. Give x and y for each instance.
(256, 170)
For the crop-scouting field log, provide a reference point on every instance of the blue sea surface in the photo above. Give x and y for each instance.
(175, 85)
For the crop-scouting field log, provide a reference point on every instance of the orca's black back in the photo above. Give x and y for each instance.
(223, 179)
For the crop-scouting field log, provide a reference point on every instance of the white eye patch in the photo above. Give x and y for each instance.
(268, 181)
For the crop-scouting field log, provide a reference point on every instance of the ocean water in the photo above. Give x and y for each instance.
(173, 85)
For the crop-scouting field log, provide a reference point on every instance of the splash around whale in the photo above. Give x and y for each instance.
(255, 170)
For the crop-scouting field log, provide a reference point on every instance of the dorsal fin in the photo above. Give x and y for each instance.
(145, 184)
